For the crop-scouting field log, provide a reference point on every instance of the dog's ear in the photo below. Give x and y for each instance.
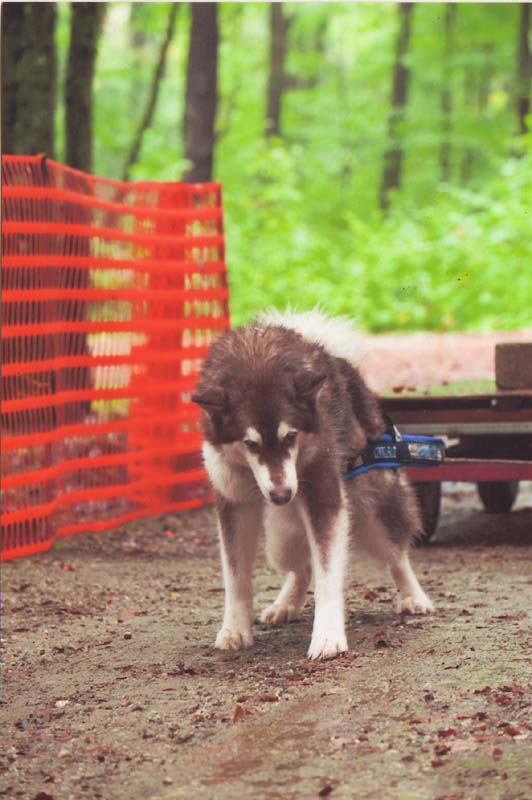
(308, 383)
(212, 399)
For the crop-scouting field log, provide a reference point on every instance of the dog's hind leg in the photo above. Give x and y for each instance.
(288, 552)
(386, 524)
(239, 525)
(376, 540)
(290, 599)
(412, 599)
(400, 515)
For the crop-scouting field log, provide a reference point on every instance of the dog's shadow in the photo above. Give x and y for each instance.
(475, 528)
(280, 646)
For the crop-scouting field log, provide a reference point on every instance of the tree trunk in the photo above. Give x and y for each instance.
(201, 97)
(480, 92)
(12, 49)
(34, 94)
(147, 117)
(524, 67)
(279, 25)
(85, 27)
(446, 96)
(466, 165)
(393, 157)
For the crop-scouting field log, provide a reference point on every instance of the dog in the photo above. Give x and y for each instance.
(285, 410)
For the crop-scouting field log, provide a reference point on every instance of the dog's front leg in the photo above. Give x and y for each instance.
(239, 525)
(327, 528)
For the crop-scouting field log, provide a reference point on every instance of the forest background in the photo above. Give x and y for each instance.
(375, 158)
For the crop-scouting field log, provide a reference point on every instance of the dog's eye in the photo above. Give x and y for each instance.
(290, 437)
(252, 446)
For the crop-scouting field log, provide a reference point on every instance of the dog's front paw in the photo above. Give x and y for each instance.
(327, 644)
(233, 639)
(278, 613)
(415, 604)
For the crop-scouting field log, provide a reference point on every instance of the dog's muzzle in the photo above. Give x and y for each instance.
(281, 496)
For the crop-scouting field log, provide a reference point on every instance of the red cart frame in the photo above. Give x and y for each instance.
(489, 442)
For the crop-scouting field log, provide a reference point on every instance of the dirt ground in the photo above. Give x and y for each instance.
(112, 688)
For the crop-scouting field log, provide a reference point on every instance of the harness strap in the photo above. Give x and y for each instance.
(393, 450)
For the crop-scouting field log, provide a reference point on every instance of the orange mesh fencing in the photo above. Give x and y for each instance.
(112, 293)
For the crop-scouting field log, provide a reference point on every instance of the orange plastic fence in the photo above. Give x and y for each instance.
(112, 293)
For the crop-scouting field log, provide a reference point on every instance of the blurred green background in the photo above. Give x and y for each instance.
(449, 247)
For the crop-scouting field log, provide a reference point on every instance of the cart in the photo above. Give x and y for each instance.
(488, 442)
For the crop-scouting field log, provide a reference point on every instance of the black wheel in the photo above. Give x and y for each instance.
(498, 496)
(429, 497)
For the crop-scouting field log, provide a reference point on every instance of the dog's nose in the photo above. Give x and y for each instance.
(281, 496)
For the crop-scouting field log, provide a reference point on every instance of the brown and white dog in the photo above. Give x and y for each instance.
(285, 410)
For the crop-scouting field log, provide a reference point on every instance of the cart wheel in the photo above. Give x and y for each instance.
(498, 496)
(429, 496)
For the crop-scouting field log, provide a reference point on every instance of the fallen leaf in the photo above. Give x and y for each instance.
(501, 699)
(511, 730)
(269, 697)
(445, 733)
(240, 712)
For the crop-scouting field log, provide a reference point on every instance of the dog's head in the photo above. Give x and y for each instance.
(258, 390)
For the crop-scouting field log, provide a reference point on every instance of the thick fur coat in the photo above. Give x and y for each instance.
(285, 411)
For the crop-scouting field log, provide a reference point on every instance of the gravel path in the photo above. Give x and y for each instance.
(112, 688)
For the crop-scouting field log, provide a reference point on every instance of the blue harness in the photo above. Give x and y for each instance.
(393, 450)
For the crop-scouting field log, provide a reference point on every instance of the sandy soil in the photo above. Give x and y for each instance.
(112, 688)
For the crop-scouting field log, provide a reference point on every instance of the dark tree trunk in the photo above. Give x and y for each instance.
(393, 157)
(12, 49)
(158, 75)
(524, 67)
(446, 92)
(201, 97)
(466, 165)
(85, 29)
(277, 78)
(34, 92)
(478, 92)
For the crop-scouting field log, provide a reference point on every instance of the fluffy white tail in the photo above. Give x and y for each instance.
(336, 334)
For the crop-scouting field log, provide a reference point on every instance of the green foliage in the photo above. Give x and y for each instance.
(460, 262)
(302, 219)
